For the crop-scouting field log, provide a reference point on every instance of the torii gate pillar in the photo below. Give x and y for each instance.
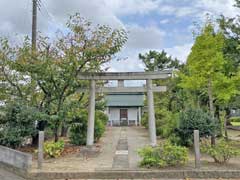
(91, 113)
(151, 114)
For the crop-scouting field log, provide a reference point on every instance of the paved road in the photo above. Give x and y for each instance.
(5, 175)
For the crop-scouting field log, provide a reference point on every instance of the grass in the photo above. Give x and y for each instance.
(235, 123)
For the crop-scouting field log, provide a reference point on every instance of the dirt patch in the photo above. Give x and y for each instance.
(69, 149)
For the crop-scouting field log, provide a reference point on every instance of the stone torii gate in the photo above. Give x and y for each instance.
(148, 76)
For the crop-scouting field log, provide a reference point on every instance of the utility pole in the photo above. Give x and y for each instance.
(34, 24)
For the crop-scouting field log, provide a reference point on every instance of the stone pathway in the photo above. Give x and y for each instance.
(120, 160)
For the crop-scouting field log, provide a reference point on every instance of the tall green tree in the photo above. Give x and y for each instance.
(205, 68)
(231, 30)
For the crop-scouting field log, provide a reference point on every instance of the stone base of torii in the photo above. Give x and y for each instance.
(148, 76)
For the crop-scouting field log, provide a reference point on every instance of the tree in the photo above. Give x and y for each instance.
(237, 3)
(231, 30)
(192, 119)
(157, 61)
(54, 67)
(205, 68)
(166, 103)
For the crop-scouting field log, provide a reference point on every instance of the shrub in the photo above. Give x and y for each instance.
(166, 122)
(53, 149)
(11, 137)
(174, 139)
(78, 130)
(100, 125)
(163, 155)
(192, 119)
(17, 124)
(234, 119)
(222, 152)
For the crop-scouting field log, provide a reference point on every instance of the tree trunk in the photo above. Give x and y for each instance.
(40, 127)
(64, 130)
(225, 128)
(217, 116)
(211, 108)
(227, 116)
(56, 133)
(210, 96)
(57, 124)
(35, 140)
(217, 113)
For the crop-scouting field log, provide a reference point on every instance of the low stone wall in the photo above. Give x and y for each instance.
(15, 159)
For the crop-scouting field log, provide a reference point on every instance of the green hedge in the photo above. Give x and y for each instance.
(78, 130)
(234, 119)
(195, 119)
(166, 122)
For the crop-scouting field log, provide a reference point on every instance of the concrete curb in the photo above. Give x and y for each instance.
(167, 174)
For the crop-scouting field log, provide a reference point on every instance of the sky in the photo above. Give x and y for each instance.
(151, 24)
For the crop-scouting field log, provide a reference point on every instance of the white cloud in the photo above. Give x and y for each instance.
(14, 17)
(141, 39)
(167, 10)
(94, 10)
(6, 27)
(128, 63)
(185, 11)
(176, 11)
(199, 8)
(181, 52)
(145, 37)
(127, 7)
(164, 21)
(218, 7)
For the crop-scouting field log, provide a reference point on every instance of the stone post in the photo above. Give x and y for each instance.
(196, 148)
(40, 148)
(91, 113)
(139, 116)
(151, 114)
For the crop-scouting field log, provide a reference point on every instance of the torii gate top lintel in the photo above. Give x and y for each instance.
(125, 75)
